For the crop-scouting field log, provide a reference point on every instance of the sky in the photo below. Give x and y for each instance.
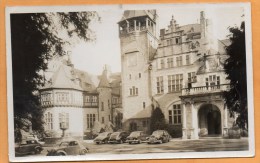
(92, 56)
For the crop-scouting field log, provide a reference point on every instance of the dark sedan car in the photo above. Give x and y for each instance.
(68, 148)
(159, 136)
(118, 137)
(102, 138)
(137, 137)
(28, 147)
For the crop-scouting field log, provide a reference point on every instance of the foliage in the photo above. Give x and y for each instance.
(157, 120)
(235, 68)
(174, 130)
(35, 39)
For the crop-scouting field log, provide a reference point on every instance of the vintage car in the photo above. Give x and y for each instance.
(159, 136)
(137, 137)
(118, 137)
(71, 147)
(29, 146)
(102, 138)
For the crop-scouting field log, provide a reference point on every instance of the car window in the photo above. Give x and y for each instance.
(64, 144)
(73, 143)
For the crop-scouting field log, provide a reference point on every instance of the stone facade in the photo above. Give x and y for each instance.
(182, 73)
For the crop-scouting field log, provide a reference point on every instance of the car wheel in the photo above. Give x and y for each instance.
(97, 142)
(37, 150)
(84, 151)
(129, 142)
(60, 154)
(139, 141)
(106, 141)
(121, 142)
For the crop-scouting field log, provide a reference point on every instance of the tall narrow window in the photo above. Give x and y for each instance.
(177, 40)
(179, 61)
(133, 91)
(162, 63)
(159, 84)
(48, 121)
(140, 75)
(192, 77)
(143, 104)
(91, 118)
(170, 62)
(175, 83)
(177, 114)
(103, 120)
(170, 116)
(218, 81)
(102, 106)
(64, 120)
(187, 59)
(213, 81)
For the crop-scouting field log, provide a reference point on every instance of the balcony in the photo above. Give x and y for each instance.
(90, 104)
(205, 89)
(117, 105)
(131, 30)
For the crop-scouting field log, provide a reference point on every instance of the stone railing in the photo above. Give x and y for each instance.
(137, 29)
(118, 105)
(205, 89)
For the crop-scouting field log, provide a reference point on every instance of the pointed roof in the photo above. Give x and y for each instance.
(63, 78)
(104, 83)
(129, 14)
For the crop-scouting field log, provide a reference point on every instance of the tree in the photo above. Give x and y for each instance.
(35, 39)
(157, 120)
(235, 68)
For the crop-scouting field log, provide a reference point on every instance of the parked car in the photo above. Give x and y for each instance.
(29, 146)
(159, 136)
(102, 138)
(118, 137)
(71, 147)
(136, 137)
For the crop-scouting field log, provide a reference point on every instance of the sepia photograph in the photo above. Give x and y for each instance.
(123, 82)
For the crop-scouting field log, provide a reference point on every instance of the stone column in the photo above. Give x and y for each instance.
(135, 25)
(225, 126)
(194, 124)
(127, 28)
(184, 122)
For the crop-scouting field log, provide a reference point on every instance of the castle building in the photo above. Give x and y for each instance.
(76, 101)
(181, 71)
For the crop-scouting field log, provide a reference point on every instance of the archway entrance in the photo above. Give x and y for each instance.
(209, 120)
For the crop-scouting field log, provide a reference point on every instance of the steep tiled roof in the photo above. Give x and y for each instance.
(104, 83)
(63, 78)
(194, 28)
(128, 14)
(144, 113)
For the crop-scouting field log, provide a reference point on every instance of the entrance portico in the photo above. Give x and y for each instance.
(204, 117)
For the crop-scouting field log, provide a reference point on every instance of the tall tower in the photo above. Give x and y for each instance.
(137, 32)
(104, 89)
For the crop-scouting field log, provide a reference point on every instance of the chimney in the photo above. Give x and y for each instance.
(202, 23)
(69, 63)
